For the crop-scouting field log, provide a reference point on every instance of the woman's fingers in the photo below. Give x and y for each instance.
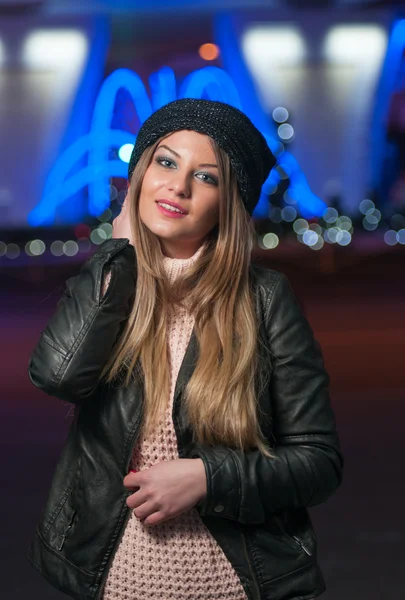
(136, 499)
(121, 225)
(145, 510)
(155, 518)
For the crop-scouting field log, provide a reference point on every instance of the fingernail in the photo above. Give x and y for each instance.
(132, 471)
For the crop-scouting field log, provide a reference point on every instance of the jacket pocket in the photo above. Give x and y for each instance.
(64, 517)
(67, 529)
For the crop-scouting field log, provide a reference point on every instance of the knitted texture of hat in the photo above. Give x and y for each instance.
(249, 154)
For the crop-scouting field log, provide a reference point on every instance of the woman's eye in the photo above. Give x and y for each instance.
(206, 177)
(165, 162)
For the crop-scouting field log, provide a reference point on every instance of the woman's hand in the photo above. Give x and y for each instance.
(121, 225)
(167, 489)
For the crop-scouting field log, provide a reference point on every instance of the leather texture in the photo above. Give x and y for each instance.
(256, 507)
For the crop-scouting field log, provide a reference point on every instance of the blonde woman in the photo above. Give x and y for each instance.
(203, 428)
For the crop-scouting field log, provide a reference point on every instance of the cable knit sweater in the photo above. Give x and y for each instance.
(178, 559)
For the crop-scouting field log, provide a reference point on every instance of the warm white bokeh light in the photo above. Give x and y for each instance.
(55, 49)
(355, 44)
(266, 45)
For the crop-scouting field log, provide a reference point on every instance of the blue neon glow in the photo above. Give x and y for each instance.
(212, 83)
(209, 82)
(380, 147)
(308, 203)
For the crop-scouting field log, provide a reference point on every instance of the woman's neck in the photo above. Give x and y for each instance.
(180, 251)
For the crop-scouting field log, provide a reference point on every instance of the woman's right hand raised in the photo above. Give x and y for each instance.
(121, 224)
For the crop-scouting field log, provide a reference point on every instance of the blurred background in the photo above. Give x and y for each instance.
(324, 80)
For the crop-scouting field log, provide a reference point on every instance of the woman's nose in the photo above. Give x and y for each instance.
(180, 185)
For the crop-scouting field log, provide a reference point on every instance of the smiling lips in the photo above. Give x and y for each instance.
(171, 207)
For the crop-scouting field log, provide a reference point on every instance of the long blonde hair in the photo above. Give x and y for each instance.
(221, 395)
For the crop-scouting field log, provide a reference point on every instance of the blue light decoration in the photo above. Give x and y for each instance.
(209, 82)
(381, 148)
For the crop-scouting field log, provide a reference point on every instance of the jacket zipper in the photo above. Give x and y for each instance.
(256, 595)
(294, 538)
(67, 530)
(302, 545)
(107, 568)
(123, 524)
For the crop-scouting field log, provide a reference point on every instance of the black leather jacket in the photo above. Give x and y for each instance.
(255, 507)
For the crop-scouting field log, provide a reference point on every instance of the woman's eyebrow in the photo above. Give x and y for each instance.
(178, 156)
(170, 150)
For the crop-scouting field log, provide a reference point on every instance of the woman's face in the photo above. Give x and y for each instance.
(182, 172)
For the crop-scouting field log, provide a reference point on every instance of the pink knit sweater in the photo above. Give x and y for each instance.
(178, 559)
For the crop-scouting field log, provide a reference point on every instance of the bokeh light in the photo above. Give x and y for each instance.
(300, 226)
(275, 214)
(113, 193)
(70, 248)
(98, 236)
(35, 248)
(288, 214)
(56, 248)
(316, 227)
(12, 251)
(121, 197)
(343, 238)
(318, 244)
(310, 237)
(208, 51)
(401, 236)
(369, 226)
(288, 199)
(390, 237)
(280, 114)
(286, 132)
(269, 241)
(330, 235)
(106, 215)
(344, 223)
(107, 228)
(330, 215)
(366, 206)
(124, 153)
(397, 221)
(283, 171)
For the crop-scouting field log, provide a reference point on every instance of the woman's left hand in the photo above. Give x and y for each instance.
(167, 489)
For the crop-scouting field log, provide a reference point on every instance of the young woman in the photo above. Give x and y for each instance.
(203, 427)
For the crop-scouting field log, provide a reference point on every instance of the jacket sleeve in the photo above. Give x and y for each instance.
(307, 467)
(77, 341)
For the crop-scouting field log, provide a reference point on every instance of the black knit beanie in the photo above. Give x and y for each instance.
(233, 131)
